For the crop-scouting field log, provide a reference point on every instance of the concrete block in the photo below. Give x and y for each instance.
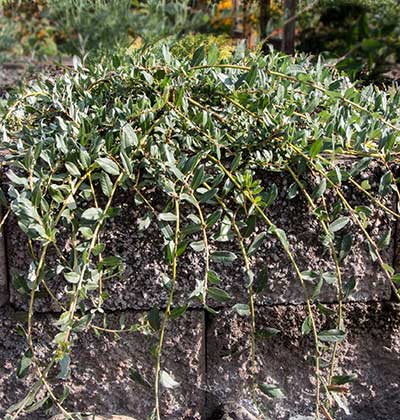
(371, 350)
(141, 286)
(100, 380)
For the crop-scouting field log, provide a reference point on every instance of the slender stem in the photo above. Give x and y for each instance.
(251, 292)
(38, 277)
(35, 361)
(93, 242)
(100, 288)
(336, 261)
(250, 197)
(252, 309)
(354, 217)
(305, 82)
(167, 312)
(3, 220)
(206, 250)
(364, 191)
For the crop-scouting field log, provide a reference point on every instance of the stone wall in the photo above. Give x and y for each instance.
(209, 354)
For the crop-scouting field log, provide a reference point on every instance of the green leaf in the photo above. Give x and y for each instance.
(198, 177)
(363, 211)
(218, 294)
(98, 249)
(256, 243)
(36, 405)
(293, 191)
(84, 159)
(236, 162)
(64, 367)
(316, 147)
(320, 189)
(108, 165)
(306, 325)
(251, 75)
(332, 336)
(28, 400)
(197, 246)
(360, 166)
(344, 379)
(349, 287)
(87, 233)
(385, 182)
(72, 169)
(317, 289)
(72, 277)
(147, 77)
(210, 310)
(17, 180)
(126, 163)
(329, 277)
(335, 176)
(213, 277)
(372, 252)
(198, 56)
(213, 218)
(167, 217)
(213, 55)
(338, 224)
(384, 240)
(106, 184)
(309, 275)
(261, 280)
(138, 377)
(167, 381)
(250, 226)
(272, 391)
(178, 311)
(181, 248)
(225, 257)
(281, 235)
(268, 332)
(325, 310)
(396, 278)
(345, 246)
(271, 195)
(24, 364)
(92, 214)
(208, 196)
(250, 276)
(241, 309)
(153, 316)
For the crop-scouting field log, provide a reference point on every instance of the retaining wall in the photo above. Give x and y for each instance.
(209, 354)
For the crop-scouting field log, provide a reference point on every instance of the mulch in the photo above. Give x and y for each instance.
(14, 73)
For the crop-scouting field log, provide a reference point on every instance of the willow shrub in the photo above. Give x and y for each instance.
(198, 131)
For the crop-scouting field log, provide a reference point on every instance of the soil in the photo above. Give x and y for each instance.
(14, 73)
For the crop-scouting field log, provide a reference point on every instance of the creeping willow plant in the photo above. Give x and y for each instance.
(201, 133)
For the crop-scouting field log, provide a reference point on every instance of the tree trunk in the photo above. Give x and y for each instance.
(290, 27)
(237, 26)
(265, 13)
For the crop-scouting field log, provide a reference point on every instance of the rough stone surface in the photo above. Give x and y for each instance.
(100, 373)
(371, 350)
(3, 270)
(141, 286)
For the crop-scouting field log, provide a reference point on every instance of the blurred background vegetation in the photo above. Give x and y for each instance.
(359, 37)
